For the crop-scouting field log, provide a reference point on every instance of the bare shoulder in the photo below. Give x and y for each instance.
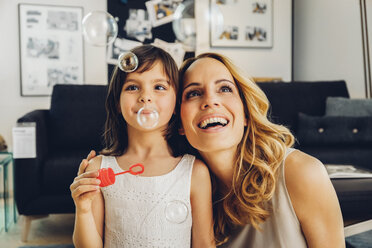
(200, 179)
(304, 168)
(307, 183)
(200, 170)
(94, 164)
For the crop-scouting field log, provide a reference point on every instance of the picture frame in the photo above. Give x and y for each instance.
(51, 47)
(161, 12)
(246, 23)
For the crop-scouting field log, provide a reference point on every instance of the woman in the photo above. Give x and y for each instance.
(265, 193)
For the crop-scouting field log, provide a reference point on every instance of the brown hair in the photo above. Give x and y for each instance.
(116, 135)
(258, 157)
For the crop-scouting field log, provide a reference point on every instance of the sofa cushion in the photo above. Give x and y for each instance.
(77, 116)
(288, 99)
(335, 130)
(341, 106)
(59, 171)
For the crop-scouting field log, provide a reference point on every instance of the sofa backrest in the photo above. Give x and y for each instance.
(77, 117)
(287, 99)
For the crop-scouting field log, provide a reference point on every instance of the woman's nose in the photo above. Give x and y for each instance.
(210, 101)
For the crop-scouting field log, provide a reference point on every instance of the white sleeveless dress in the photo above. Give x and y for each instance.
(281, 230)
(148, 211)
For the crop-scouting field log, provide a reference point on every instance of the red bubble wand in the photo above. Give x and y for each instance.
(107, 175)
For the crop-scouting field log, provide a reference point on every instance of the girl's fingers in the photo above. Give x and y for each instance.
(83, 189)
(85, 162)
(83, 165)
(81, 180)
(91, 155)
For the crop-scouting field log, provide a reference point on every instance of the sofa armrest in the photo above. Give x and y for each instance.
(27, 172)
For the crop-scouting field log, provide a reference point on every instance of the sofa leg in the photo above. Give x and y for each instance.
(26, 225)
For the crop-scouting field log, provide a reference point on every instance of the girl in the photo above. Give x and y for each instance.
(172, 198)
(265, 193)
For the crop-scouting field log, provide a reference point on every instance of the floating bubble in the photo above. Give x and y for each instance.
(147, 117)
(215, 18)
(184, 24)
(176, 212)
(99, 28)
(128, 62)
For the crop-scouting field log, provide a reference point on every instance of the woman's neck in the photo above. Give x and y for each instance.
(221, 164)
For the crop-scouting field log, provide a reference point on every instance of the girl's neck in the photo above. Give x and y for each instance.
(221, 164)
(147, 144)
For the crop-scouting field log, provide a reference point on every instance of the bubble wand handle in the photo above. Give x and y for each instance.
(107, 175)
(133, 170)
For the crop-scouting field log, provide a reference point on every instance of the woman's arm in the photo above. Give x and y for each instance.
(201, 203)
(89, 216)
(314, 200)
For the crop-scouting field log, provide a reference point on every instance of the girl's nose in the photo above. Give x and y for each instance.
(145, 99)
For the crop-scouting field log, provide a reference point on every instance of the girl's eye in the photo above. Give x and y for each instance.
(226, 89)
(192, 93)
(160, 87)
(131, 88)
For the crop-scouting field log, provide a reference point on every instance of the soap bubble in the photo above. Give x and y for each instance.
(215, 18)
(184, 24)
(99, 28)
(147, 117)
(128, 62)
(176, 212)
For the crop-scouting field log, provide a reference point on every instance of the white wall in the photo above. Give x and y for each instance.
(328, 42)
(257, 62)
(12, 105)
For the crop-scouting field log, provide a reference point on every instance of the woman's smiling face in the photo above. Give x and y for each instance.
(212, 111)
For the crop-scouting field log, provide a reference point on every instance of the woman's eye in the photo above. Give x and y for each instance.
(192, 93)
(226, 89)
(131, 88)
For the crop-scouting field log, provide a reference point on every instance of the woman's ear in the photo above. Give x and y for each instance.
(181, 131)
(245, 121)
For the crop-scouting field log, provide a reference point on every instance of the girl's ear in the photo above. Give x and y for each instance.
(245, 121)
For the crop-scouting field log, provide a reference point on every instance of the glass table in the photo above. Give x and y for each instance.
(8, 212)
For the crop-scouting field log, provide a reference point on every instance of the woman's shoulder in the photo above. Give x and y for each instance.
(307, 181)
(302, 167)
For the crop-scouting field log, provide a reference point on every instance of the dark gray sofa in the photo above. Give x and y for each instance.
(74, 125)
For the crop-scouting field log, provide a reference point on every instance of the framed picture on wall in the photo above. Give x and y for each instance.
(51, 47)
(246, 23)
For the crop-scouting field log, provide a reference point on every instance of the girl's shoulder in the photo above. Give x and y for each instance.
(94, 163)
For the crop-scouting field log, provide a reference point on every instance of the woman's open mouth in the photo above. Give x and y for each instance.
(213, 122)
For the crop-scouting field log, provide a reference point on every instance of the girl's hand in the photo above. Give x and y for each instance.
(85, 186)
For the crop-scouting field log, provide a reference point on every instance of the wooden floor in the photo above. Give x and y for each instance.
(54, 229)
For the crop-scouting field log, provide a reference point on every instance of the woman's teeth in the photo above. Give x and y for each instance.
(211, 122)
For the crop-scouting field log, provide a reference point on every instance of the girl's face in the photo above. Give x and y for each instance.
(152, 88)
(212, 111)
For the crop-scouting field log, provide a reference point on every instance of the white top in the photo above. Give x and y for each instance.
(281, 230)
(148, 211)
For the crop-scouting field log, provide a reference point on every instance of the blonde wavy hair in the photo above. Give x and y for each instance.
(259, 155)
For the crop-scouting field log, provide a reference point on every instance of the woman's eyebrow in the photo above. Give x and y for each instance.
(191, 84)
(224, 80)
